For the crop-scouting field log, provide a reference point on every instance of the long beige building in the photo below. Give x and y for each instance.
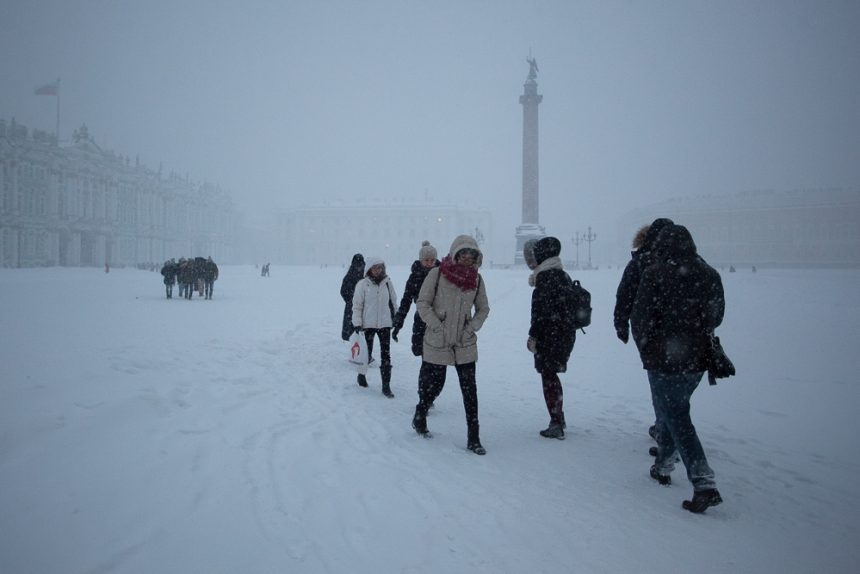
(798, 228)
(79, 205)
(331, 234)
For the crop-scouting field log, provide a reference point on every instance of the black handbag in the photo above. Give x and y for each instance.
(719, 364)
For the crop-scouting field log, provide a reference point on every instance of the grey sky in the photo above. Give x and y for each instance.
(291, 102)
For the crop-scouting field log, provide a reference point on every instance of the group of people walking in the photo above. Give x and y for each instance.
(191, 274)
(669, 297)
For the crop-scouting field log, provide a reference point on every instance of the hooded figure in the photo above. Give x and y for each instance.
(552, 333)
(420, 268)
(169, 271)
(529, 253)
(347, 288)
(453, 303)
(640, 258)
(679, 303)
(373, 313)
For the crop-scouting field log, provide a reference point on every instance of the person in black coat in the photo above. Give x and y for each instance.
(210, 275)
(169, 271)
(679, 303)
(427, 260)
(552, 333)
(354, 274)
(640, 258)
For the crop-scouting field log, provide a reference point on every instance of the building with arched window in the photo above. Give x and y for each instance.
(82, 206)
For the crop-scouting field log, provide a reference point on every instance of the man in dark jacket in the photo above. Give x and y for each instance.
(640, 258)
(678, 305)
(552, 333)
(354, 274)
(169, 271)
(210, 275)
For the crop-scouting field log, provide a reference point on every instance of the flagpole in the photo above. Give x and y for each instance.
(58, 112)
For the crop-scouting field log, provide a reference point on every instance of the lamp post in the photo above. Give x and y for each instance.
(576, 241)
(589, 237)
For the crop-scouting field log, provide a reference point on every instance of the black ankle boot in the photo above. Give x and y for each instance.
(477, 448)
(362, 380)
(419, 423)
(474, 443)
(554, 430)
(702, 499)
(386, 390)
(663, 479)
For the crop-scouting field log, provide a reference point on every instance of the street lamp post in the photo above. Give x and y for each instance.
(589, 237)
(577, 239)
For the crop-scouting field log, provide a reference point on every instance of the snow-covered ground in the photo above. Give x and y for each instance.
(144, 435)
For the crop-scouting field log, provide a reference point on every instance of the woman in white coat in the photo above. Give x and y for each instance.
(373, 305)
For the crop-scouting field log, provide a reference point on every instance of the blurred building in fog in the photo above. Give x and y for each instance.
(800, 228)
(331, 234)
(81, 205)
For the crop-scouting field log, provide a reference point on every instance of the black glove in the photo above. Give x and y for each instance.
(358, 329)
(394, 334)
(623, 333)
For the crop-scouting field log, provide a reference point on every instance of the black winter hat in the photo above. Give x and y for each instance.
(358, 260)
(545, 248)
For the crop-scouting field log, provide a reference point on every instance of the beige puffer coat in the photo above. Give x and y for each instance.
(450, 338)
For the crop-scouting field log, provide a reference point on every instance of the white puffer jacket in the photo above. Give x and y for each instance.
(370, 304)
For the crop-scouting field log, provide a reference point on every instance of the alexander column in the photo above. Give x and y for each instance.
(530, 226)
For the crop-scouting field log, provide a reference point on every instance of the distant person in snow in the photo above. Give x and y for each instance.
(445, 303)
(354, 274)
(552, 333)
(678, 305)
(210, 275)
(187, 277)
(373, 314)
(168, 271)
(640, 258)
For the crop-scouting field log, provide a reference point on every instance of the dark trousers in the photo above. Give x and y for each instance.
(553, 395)
(431, 380)
(384, 335)
(208, 286)
(169, 288)
(675, 431)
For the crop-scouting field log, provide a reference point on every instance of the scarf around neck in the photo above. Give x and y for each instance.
(464, 277)
(551, 263)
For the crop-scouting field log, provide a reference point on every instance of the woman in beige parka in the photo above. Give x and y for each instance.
(453, 303)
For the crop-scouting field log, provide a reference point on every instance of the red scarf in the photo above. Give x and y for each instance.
(463, 276)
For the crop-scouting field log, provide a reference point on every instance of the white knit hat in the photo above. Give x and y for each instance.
(427, 251)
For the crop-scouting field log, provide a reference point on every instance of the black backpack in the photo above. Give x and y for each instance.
(580, 305)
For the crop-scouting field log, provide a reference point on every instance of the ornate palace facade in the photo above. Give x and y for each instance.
(82, 206)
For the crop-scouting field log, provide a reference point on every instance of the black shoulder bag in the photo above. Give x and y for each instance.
(719, 364)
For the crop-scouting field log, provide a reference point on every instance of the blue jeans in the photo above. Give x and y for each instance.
(675, 431)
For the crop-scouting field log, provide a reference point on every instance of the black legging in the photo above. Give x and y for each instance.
(431, 379)
(384, 335)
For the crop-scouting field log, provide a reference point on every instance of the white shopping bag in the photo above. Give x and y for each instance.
(357, 349)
